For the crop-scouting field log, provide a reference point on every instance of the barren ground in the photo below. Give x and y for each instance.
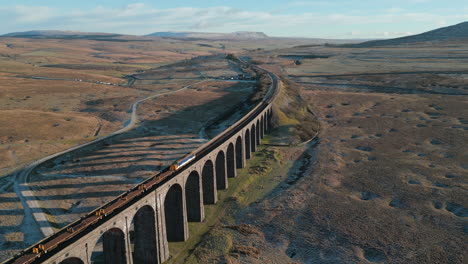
(53, 98)
(386, 182)
(56, 81)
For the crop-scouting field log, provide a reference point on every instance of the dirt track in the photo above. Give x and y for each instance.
(64, 186)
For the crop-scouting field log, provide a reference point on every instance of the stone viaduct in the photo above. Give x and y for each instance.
(140, 231)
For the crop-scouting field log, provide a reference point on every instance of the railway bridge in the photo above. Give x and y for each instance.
(137, 226)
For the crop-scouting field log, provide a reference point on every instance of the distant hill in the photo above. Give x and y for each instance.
(189, 36)
(241, 35)
(44, 34)
(60, 34)
(455, 32)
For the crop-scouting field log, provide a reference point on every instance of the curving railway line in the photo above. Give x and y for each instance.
(65, 237)
(22, 177)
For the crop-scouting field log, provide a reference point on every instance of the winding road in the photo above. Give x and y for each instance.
(81, 227)
(35, 224)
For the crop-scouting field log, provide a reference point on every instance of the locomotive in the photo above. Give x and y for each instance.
(65, 236)
(92, 218)
(180, 163)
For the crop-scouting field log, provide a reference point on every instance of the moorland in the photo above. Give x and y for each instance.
(366, 163)
(385, 181)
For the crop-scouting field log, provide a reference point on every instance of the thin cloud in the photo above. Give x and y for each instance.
(311, 3)
(138, 18)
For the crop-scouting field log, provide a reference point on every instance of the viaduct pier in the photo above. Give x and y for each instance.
(157, 211)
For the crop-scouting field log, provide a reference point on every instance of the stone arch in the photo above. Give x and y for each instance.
(231, 161)
(265, 120)
(72, 261)
(239, 153)
(220, 167)
(253, 138)
(193, 200)
(144, 238)
(209, 183)
(247, 144)
(174, 214)
(257, 134)
(110, 248)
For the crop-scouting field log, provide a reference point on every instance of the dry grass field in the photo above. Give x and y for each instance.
(87, 80)
(58, 93)
(169, 128)
(74, 80)
(386, 181)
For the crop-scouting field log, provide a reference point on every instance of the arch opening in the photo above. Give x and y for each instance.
(110, 248)
(262, 127)
(72, 261)
(208, 182)
(239, 153)
(174, 214)
(143, 238)
(257, 134)
(193, 198)
(270, 114)
(247, 144)
(221, 179)
(231, 161)
(253, 138)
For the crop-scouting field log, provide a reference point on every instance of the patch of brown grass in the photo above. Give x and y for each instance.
(245, 229)
(246, 250)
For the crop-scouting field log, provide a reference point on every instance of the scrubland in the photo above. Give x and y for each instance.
(57, 94)
(383, 180)
(386, 179)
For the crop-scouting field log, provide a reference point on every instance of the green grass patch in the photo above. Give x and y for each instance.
(291, 116)
(264, 171)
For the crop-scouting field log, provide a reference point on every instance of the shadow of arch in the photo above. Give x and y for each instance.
(144, 238)
(72, 261)
(193, 198)
(174, 214)
(208, 181)
(221, 180)
(247, 144)
(230, 161)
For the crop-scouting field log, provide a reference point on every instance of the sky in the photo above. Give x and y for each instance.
(312, 18)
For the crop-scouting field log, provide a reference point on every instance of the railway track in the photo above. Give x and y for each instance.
(47, 247)
(22, 190)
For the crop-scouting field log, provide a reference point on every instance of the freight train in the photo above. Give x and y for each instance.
(44, 248)
(48, 244)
